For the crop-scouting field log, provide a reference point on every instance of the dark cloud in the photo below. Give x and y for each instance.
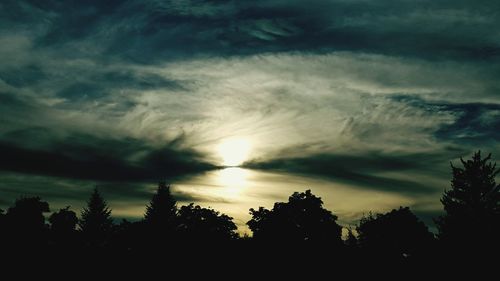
(16, 109)
(81, 156)
(474, 124)
(23, 76)
(152, 31)
(362, 170)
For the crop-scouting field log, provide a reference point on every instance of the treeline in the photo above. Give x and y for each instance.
(470, 224)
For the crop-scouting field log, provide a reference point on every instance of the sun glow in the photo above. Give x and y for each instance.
(234, 152)
(233, 177)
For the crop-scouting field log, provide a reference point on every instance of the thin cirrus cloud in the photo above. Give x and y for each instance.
(141, 90)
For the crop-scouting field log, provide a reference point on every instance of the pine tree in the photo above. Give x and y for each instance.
(472, 205)
(96, 223)
(162, 209)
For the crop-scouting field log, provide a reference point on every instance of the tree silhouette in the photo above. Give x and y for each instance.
(63, 227)
(25, 223)
(64, 221)
(472, 205)
(161, 212)
(398, 233)
(302, 218)
(96, 223)
(351, 241)
(160, 219)
(197, 223)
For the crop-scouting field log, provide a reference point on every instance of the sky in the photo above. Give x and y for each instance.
(364, 102)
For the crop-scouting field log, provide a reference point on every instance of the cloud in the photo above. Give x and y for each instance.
(368, 171)
(154, 31)
(476, 124)
(88, 157)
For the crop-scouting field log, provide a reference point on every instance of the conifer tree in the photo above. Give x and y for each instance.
(472, 205)
(96, 223)
(161, 211)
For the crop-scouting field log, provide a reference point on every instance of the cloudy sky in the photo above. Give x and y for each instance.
(365, 102)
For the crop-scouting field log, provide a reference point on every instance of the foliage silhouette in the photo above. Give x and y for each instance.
(291, 232)
(25, 224)
(96, 224)
(160, 220)
(351, 241)
(63, 228)
(301, 219)
(161, 213)
(200, 224)
(64, 221)
(398, 233)
(472, 205)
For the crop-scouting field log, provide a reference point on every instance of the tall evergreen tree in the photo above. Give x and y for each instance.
(162, 209)
(472, 205)
(96, 223)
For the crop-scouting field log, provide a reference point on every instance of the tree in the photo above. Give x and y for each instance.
(63, 227)
(25, 223)
(96, 223)
(472, 205)
(351, 241)
(161, 212)
(301, 219)
(64, 221)
(398, 233)
(201, 224)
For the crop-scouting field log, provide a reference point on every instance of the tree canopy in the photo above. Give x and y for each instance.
(398, 233)
(302, 218)
(200, 223)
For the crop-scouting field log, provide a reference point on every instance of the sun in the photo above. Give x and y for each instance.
(234, 151)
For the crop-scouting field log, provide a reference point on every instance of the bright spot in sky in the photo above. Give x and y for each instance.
(234, 151)
(233, 178)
